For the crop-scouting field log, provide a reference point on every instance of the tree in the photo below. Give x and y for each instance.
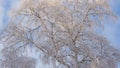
(63, 32)
(13, 59)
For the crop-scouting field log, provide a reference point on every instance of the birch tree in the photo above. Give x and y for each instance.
(13, 59)
(63, 31)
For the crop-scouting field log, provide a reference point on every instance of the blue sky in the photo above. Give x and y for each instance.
(5, 7)
(112, 30)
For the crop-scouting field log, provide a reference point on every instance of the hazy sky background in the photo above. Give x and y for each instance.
(111, 31)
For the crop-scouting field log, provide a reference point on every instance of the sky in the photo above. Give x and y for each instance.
(5, 7)
(111, 30)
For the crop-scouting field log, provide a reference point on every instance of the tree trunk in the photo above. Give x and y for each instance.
(76, 61)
